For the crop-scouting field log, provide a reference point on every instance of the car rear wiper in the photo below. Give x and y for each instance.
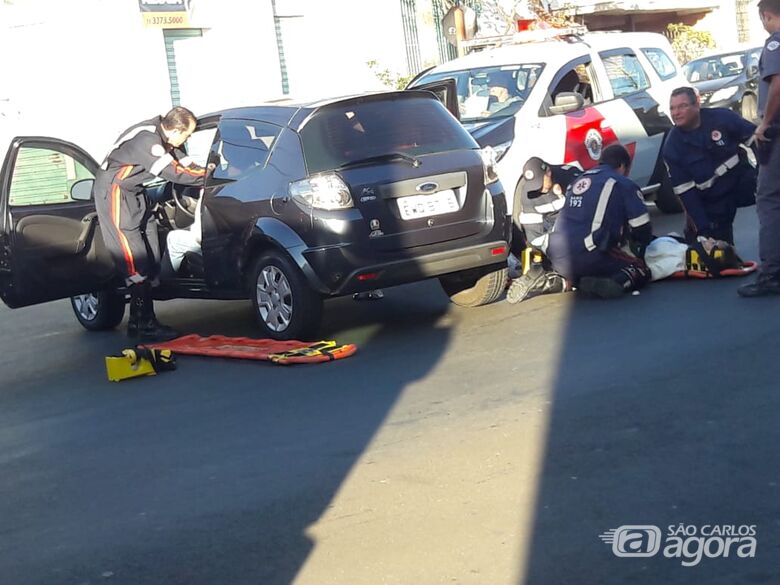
(390, 156)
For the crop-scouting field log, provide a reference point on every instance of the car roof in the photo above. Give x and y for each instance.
(288, 111)
(551, 51)
(742, 48)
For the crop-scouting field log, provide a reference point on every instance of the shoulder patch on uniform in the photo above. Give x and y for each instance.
(581, 185)
(158, 150)
(716, 135)
(772, 45)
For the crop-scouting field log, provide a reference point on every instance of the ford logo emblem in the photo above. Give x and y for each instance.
(427, 187)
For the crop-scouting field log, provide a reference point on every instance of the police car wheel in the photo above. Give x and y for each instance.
(99, 311)
(465, 291)
(285, 306)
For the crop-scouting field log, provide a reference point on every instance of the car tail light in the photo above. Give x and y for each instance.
(489, 161)
(326, 191)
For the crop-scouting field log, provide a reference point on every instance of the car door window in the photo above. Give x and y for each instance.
(244, 146)
(572, 78)
(661, 62)
(43, 176)
(625, 73)
(199, 145)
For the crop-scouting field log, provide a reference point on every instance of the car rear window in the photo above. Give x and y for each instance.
(340, 134)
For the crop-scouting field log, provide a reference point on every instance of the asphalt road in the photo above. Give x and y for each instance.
(485, 446)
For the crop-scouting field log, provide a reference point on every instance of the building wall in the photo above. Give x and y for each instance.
(84, 70)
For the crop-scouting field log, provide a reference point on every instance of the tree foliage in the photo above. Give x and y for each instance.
(688, 43)
(391, 79)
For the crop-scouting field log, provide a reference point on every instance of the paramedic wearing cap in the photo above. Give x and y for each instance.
(144, 151)
(539, 197)
(602, 207)
(768, 197)
(702, 153)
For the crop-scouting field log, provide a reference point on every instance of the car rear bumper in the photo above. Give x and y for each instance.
(335, 267)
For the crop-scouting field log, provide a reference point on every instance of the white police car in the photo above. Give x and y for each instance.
(566, 98)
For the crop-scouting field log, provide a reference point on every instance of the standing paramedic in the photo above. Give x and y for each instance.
(708, 165)
(144, 151)
(768, 196)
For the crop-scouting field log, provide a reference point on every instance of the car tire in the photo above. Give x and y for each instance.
(99, 311)
(665, 198)
(748, 108)
(465, 291)
(285, 306)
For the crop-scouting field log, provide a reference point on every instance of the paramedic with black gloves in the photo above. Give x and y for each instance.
(144, 151)
(702, 153)
(603, 207)
(539, 197)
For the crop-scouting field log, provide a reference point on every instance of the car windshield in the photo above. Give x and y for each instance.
(391, 130)
(715, 67)
(488, 93)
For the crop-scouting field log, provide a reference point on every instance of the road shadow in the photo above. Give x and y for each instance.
(211, 474)
(663, 412)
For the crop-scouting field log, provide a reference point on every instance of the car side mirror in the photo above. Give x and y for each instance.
(567, 101)
(82, 190)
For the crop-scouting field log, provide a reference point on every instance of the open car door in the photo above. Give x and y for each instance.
(50, 241)
(447, 92)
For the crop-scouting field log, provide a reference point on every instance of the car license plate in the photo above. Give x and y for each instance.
(416, 206)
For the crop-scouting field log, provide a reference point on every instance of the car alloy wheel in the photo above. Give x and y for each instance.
(86, 306)
(99, 311)
(274, 298)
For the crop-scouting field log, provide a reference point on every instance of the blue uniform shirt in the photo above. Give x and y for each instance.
(598, 207)
(768, 65)
(704, 165)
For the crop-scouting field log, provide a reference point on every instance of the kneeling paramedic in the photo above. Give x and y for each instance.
(706, 154)
(602, 208)
(144, 151)
(539, 197)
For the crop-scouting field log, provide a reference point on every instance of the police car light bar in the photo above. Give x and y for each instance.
(527, 36)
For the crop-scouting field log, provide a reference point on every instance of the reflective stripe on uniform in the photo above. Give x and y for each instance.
(601, 210)
(680, 189)
(541, 242)
(186, 170)
(160, 164)
(130, 135)
(116, 207)
(530, 218)
(721, 170)
(551, 207)
(641, 220)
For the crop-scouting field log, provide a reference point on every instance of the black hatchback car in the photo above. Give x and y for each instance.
(301, 203)
(727, 80)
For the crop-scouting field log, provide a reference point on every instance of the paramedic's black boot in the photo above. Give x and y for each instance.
(143, 324)
(601, 287)
(762, 287)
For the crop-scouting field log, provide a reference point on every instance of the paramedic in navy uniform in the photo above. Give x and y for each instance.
(702, 155)
(768, 197)
(602, 208)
